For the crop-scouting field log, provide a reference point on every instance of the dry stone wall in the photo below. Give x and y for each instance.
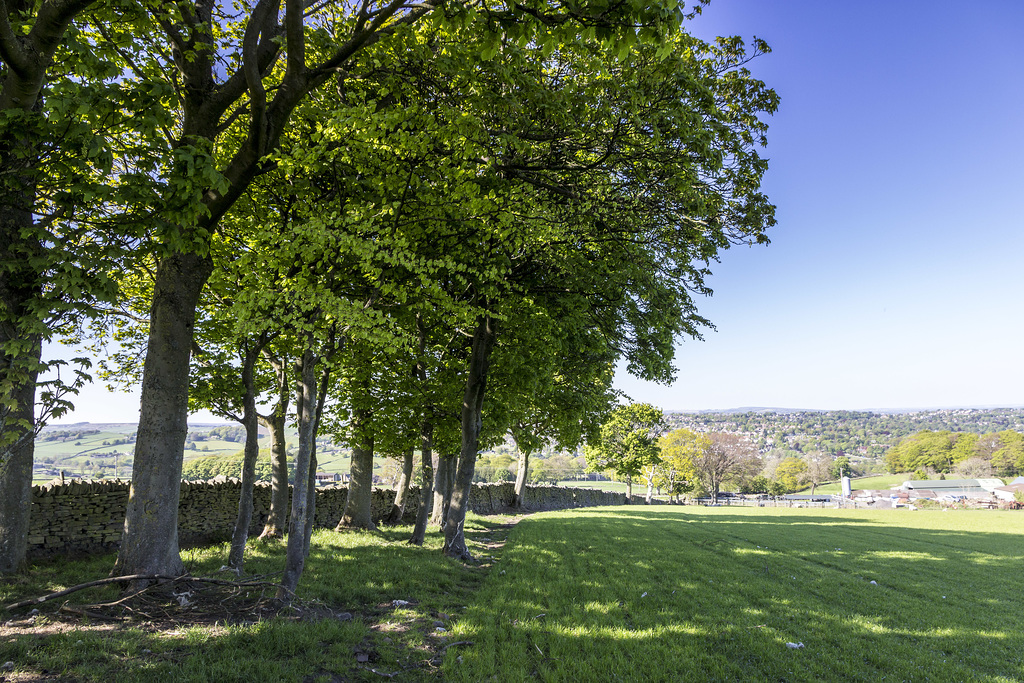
(80, 517)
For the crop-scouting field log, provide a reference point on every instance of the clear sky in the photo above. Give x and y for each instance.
(895, 277)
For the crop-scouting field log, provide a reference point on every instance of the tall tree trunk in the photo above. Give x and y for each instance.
(276, 518)
(275, 422)
(307, 530)
(295, 558)
(250, 419)
(357, 514)
(18, 444)
(444, 479)
(149, 544)
(519, 496)
(629, 488)
(650, 491)
(402, 488)
(419, 531)
(472, 422)
(325, 377)
(20, 360)
(358, 503)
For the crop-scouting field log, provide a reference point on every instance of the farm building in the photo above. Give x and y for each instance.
(1009, 492)
(966, 488)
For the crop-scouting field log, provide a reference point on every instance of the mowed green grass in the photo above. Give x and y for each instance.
(715, 594)
(631, 593)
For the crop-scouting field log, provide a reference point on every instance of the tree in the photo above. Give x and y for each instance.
(724, 455)
(974, 468)
(677, 471)
(1009, 458)
(790, 472)
(840, 467)
(819, 467)
(240, 85)
(54, 184)
(627, 442)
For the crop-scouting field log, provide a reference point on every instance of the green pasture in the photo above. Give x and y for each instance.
(632, 593)
(715, 594)
(885, 481)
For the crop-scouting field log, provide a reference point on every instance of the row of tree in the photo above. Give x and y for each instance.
(635, 444)
(364, 218)
(973, 455)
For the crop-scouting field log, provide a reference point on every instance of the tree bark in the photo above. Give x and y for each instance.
(16, 465)
(236, 556)
(472, 422)
(276, 518)
(419, 531)
(20, 360)
(444, 479)
(325, 377)
(307, 530)
(26, 59)
(295, 555)
(519, 497)
(357, 514)
(149, 544)
(275, 422)
(402, 489)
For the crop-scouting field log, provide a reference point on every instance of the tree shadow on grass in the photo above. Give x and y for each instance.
(361, 573)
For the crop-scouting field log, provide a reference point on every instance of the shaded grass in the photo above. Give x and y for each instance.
(704, 594)
(360, 573)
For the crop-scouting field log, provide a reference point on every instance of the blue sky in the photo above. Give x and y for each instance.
(894, 278)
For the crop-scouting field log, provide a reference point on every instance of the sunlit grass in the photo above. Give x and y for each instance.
(715, 594)
(631, 593)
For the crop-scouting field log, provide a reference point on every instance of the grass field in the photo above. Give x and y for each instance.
(716, 594)
(885, 481)
(601, 594)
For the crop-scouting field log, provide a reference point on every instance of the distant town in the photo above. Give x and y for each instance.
(96, 451)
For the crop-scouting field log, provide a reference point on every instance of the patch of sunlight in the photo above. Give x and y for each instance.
(905, 555)
(599, 607)
(957, 632)
(621, 633)
(751, 551)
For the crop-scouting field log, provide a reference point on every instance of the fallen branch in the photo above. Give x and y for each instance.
(88, 614)
(139, 577)
(90, 584)
(458, 642)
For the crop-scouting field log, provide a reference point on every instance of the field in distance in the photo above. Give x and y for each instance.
(885, 481)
